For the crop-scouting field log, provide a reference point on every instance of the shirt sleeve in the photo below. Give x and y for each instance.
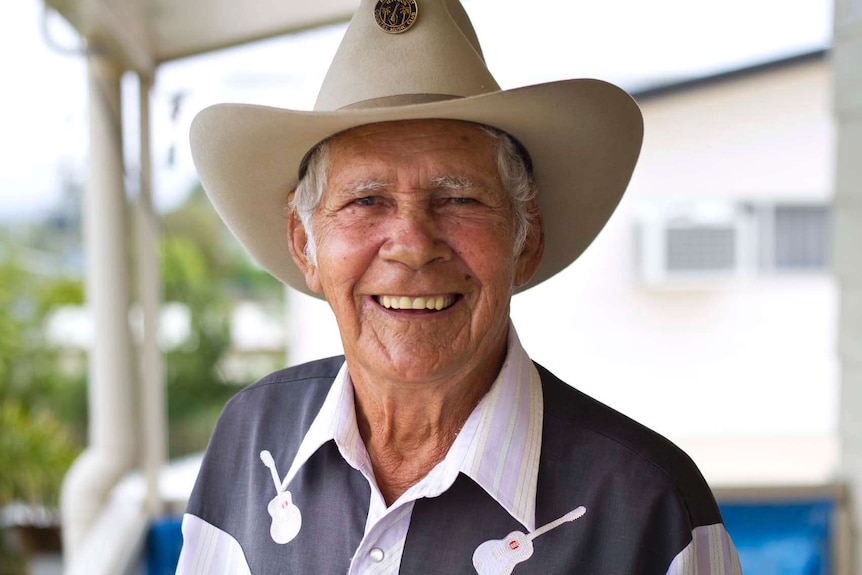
(207, 550)
(711, 552)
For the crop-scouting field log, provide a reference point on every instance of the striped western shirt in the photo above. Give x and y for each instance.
(498, 451)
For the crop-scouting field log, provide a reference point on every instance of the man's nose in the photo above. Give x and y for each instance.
(414, 239)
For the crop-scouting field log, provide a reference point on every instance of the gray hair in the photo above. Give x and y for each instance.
(512, 168)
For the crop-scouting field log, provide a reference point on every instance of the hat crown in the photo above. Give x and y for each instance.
(438, 58)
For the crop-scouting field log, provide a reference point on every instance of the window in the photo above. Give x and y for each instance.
(801, 237)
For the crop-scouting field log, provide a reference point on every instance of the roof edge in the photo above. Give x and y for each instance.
(730, 75)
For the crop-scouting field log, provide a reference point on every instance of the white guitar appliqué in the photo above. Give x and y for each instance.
(500, 556)
(286, 518)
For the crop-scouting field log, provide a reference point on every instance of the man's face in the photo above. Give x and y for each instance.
(413, 215)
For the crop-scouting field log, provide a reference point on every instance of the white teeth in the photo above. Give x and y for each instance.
(405, 302)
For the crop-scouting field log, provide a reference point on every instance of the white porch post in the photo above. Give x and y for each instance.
(112, 415)
(847, 67)
(153, 403)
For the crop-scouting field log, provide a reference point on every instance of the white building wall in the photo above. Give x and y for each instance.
(769, 133)
(714, 365)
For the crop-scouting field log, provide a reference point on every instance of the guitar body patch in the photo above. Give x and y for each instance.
(500, 556)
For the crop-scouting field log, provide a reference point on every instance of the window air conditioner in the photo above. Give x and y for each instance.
(693, 242)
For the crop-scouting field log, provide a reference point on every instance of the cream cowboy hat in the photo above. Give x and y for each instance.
(418, 59)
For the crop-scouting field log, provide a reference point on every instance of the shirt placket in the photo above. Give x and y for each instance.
(382, 546)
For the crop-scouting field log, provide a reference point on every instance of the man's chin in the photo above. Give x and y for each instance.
(418, 363)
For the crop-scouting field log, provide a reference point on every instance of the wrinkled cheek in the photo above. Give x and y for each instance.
(495, 312)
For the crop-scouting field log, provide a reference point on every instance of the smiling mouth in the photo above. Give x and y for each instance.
(432, 303)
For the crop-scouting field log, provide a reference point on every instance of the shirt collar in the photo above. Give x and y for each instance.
(503, 452)
(498, 447)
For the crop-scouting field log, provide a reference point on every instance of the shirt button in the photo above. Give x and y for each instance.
(377, 555)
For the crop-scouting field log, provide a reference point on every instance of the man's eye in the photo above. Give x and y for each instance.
(460, 201)
(366, 201)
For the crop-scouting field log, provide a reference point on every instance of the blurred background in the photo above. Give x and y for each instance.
(721, 306)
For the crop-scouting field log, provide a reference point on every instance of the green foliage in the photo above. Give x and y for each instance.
(203, 268)
(185, 270)
(194, 236)
(42, 397)
(43, 390)
(35, 449)
(58, 292)
(31, 371)
(12, 325)
(41, 408)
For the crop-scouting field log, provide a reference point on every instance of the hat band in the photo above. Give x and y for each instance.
(398, 100)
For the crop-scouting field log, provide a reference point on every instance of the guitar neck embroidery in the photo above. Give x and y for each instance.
(500, 556)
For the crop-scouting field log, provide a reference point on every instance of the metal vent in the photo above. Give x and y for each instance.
(701, 249)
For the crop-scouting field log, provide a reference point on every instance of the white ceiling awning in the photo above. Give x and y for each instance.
(141, 34)
(584, 39)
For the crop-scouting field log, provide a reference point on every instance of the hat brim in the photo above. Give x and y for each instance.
(583, 137)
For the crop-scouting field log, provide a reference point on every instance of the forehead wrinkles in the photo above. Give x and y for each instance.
(361, 166)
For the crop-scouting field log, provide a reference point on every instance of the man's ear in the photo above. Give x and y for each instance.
(297, 240)
(534, 247)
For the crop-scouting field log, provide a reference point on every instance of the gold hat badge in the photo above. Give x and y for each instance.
(395, 16)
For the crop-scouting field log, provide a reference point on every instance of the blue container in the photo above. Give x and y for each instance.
(164, 542)
(781, 538)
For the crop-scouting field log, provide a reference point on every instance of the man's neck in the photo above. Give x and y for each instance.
(408, 428)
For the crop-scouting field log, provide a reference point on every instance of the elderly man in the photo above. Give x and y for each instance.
(420, 198)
